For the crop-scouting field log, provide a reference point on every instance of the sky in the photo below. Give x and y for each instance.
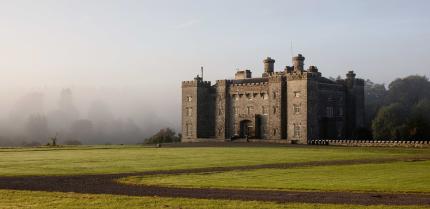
(135, 53)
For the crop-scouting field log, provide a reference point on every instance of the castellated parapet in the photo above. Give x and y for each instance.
(293, 105)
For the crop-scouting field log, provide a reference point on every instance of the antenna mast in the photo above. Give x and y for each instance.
(292, 52)
(201, 68)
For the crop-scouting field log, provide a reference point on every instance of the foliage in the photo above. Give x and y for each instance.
(408, 91)
(165, 135)
(405, 111)
(389, 122)
(374, 98)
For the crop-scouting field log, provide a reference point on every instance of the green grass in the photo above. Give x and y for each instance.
(10, 199)
(118, 159)
(389, 177)
(121, 159)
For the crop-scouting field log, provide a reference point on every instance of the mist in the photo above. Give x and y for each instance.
(82, 114)
(107, 71)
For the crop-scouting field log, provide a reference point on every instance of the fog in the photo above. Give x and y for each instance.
(110, 71)
(88, 115)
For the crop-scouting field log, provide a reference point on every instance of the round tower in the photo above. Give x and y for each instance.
(269, 65)
(298, 63)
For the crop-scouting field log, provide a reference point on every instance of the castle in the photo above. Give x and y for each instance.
(293, 105)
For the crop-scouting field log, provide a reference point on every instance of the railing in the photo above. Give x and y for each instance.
(370, 143)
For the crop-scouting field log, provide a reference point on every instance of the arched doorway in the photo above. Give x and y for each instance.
(246, 128)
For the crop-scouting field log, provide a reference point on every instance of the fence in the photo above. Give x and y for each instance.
(371, 143)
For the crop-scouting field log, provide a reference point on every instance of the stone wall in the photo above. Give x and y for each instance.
(331, 124)
(197, 109)
(294, 105)
(249, 102)
(222, 110)
(276, 117)
(297, 108)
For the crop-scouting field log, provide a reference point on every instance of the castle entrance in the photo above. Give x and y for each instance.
(246, 128)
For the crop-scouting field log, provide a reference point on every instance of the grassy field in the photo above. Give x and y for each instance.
(117, 159)
(125, 159)
(42, 200)
(389, 177)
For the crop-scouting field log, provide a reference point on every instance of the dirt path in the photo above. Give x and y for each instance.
(105, 184)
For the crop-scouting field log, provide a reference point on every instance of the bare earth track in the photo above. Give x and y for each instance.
(106, 184)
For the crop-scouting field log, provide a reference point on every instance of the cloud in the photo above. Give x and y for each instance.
(187, 24)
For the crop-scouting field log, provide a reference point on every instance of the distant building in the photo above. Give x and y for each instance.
(294, 104)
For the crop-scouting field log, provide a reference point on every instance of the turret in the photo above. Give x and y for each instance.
(269, 66)
(350, 79)
(298, 63)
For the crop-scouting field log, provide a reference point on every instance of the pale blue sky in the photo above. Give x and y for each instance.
(153, 45)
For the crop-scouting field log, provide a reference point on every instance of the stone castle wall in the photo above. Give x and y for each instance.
(294, 105)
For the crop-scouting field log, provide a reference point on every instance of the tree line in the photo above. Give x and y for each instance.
(399, 112)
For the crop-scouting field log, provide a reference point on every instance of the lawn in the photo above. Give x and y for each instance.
(117, 159)
(387, 177)
(127, 159)
(44, 200)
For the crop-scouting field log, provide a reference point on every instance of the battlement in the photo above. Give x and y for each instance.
(251, 84)
(285, 105)
(196, 83)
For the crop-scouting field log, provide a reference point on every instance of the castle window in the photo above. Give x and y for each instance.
(297, 109)
(189, 98)
(189, 111)
(249, 109)
(274, 132)
(249, 96)
(264, 95)
(274, 110)
(296, 130)
(235, 97)
(189, 129)
(297, 94)
(219, 131)
(274, 95)
(264, 110)
(329, 112)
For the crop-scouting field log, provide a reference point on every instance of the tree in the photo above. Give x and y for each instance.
(37, 128)
(404, 113)
(419, 121)
(389, 122)
(409, 90)
(374, 95)
(165, 135)
(82, 130)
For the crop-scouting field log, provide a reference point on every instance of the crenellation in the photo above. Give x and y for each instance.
(294, 105)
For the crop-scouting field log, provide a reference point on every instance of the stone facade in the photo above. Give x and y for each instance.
(293, 105)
